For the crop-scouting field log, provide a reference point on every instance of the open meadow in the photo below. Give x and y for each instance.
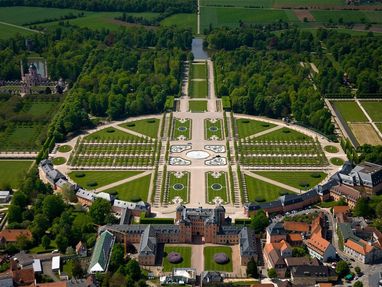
(11, 172)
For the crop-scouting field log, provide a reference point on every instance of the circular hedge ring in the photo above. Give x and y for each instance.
(331, 149)
(213, 129)
(182, 129)
(65, 148)
(337, 161)
(178, 186)
(59, 160)
(216, 186)
(221, 258)
(174, 257)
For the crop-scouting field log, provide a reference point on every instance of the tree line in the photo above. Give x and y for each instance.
(183, 6)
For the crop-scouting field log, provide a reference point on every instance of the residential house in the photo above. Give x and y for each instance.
(275, 254)
(81, 249)
(309, 275)
(348, 194)
(211, 278)
(5, 196)
(362, 251)
(11, 235)
(320, 248)
(275, 232)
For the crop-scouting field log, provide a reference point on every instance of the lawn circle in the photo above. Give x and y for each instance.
(337, 161)
(65, 148)
(182, 129)
(331, 149)
(213, 129)
(59, 160)
(216, 186)
(178, 186)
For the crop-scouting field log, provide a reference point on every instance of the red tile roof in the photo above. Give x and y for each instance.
(361, 247)
(318, 243)
(293, 237)
(11, 235)
(25, 276)
(341, 209)
(296, 226)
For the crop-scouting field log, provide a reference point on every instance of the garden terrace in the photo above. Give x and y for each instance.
(217, 186)
(148, 127)
(197, 106)
(209, 262)
(178, 185)
(247, 127)
(213, 129)
(181, 129)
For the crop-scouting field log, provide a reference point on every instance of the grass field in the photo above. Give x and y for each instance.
(59, 160)
(228, 17)
(284, 134)
(110, 134)
(298, 179)
(211, 265)
(182, 129)
(7, 31)
(148, 127)
(181, 20)
(261, 190)
(197, 106)
(216, 186)
(65, 148)
(365, 133)
(178, 186)
(23, 15)
(337, 161)
(199, 71)
(350, 111)
(184, 251)
(21, 138)
(331, 149)
(247, 127)
(374, 109)
(379, 126)
(213, 129)
(199, 89)
(38, 108)
(135, 190)
(11, 171)
(101, 178)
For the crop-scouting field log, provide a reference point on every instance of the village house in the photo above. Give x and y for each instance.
(11, 235)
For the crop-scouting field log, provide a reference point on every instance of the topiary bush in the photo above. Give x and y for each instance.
(265, 125)
(303, 184)
(221, 258)
(245, 121)
(79, 174)
(260, 199)
(174, 257)
(113, 192)
(151, 121)
(283, 192)
(110, 131)
(315, 175)
(131, 125)
(92, 183)
(136, 198)
(285, 131)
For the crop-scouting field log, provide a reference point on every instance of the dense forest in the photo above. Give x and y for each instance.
(265, 76)
(181, 6)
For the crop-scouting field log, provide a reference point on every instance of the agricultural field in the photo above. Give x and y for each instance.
(135, 190)
(11, 171)
(199, 71)
(91, 179)
(374, 109)
(238, 3)
(178, 185)
(25, 15)
(112, 147)
(261, 191)
(216, 186)
(181, 20)
(213, 129)
(210, 264)
(283, 147)
(347, 16)
(197, 106)
(181, 129)
(247, 127)
(184, 251)
(148, 127)
(228, 17)
(7, 31)
(198, 89)
(298, 179)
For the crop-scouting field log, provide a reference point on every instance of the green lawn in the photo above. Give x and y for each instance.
(148, 127)
(211, 265)
(350, 111)
(182, 129)
(374, 109)
(337, 161)
(228, 17)
(220, 188)
(284, 134)
(197, 106)
(11, 171)
(347, 16)
(135, 190)
(331, 149)
(22, 137)
(213, 129)
(178, 186)
(111, 134)
(39, 108)
(186, 255)
(238, 3)
(41, 249)
(102, 178)
(65, 148)
(181, 20)
(199, 71)
(379, 126)
(199, 89)
(258, 189)
(7, 31)
(247, 127)
(22, 15)
(59, 160)
(309, 2)
(295, 178)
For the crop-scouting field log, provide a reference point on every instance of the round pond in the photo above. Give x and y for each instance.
(197, 154)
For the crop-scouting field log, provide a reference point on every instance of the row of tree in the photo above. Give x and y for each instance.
(183, 6)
